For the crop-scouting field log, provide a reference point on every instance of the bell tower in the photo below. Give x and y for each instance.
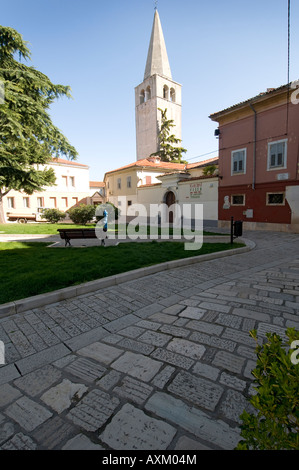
(157, 90)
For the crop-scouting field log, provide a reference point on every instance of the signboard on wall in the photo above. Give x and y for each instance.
(282, 176)
(195, 189)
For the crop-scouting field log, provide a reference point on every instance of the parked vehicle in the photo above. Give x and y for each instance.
(22, 218)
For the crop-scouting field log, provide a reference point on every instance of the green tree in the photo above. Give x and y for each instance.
(28, 138)
(168, 149)
(209, 170)
(82, 214)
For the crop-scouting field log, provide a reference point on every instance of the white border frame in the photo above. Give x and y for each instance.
(284, 166)
(232, 162)
(239, 194)
(276, 204)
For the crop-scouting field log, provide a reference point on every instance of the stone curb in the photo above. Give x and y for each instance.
(41, 300)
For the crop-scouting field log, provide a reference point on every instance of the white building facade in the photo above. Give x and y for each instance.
(150, 182)
(71, 188)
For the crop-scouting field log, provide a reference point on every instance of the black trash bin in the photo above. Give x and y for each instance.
(238, 228)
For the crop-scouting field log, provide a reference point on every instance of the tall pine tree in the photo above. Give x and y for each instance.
(168, 151)
(28, 138)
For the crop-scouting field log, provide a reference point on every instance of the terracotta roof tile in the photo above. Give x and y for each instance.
(68, 162)
(151, 164)
(193, 178)
(165, 165)
(149, 185)
(210, 161)
(96, 184)
(184, 180)
(270, 91)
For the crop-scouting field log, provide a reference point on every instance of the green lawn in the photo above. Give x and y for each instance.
(36, 229)
(28, 269)
(51, 229)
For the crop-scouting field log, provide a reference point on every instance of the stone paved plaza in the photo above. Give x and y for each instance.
(159, 363)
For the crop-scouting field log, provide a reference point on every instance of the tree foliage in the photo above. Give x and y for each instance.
(28, 138)
(275, 423)
(53, 215)
(168, 151)
(209, 170)
(82, 214)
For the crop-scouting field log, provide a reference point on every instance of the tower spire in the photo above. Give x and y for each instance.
(157, 91)
(157, 58)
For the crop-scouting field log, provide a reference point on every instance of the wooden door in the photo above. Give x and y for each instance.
(170, 199)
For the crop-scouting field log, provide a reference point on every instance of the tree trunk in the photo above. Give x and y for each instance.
(2, 218)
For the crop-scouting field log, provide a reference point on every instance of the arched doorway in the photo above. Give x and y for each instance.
(170, 199)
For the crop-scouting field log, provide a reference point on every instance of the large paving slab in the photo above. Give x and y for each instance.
(27, 413)
(159, 362)
(132, 429)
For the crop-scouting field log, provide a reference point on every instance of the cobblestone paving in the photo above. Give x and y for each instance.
(162, 362)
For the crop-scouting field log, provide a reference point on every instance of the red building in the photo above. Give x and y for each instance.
(259, 161)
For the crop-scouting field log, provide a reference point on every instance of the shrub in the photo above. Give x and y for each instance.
(82, 214)
(53, 215)
(275, 425)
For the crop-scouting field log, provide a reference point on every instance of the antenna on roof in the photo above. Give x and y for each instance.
(156, 3)
(289, 47)
(289, 41)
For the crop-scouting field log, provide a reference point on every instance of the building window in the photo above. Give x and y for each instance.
(72, 181)
(275, 199)
(26, 202)
(40, 202)
(166, 92)
(129, 203)
(148, 180)
(64, 179)
(148, 93)
(238, 199)
(11, 202)
(53, 202)
(74, 200)
(128, 181)
(118, 183)
(64, 202)
(142, 97)
(277, 154)
(172, 95)
(239, 162)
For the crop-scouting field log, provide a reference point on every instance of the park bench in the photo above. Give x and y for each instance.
(68, 234)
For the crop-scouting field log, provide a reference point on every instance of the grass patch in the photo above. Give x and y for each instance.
(28, 269)
(37, 228)
(51, 229)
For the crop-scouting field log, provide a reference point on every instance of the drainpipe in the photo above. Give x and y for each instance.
(254, 148)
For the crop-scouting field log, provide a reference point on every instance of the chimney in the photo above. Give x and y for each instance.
(154, 159)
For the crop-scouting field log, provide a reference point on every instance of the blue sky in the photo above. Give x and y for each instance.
(222, 52)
